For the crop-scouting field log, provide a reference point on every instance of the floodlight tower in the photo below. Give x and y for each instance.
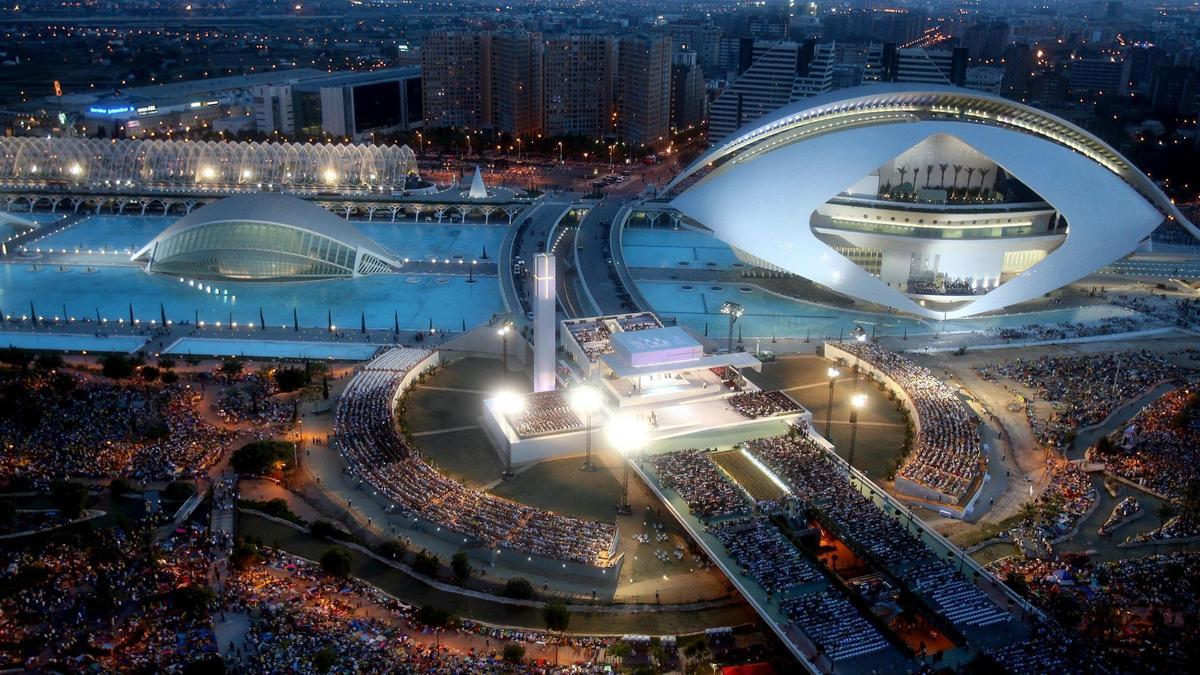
(544, 307)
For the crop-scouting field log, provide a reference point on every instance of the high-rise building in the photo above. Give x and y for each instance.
(702, 38)
(1173, 91)
(578, 84)
(687, 90)
(514, 62)
(452, 83)
(986, 41)
(918, 65)
(772, 74)
(644, 88)
(354, 104)
(1096, 76)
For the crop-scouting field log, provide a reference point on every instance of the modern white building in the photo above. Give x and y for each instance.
(938, 201)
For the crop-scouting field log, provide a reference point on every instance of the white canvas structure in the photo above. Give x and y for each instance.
(762, 185)
(478, 189)
(545, 322)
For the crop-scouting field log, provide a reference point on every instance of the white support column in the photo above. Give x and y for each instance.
(544, 320)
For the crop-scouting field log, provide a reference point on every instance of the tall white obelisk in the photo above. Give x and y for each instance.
(544, 320)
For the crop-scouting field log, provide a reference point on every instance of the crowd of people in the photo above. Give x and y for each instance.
(756, 404)
(942, 287)
(837, 629)
(947, 455)
(763, 553)
(109, 596)
(67, 424)
(1084, 389)
(545, 412)
(1160, 447)
(708, 492)
(252, 397)
(1064, 330)
(1181, 311)
(594, 336)
(1140, 613)
(375, 451)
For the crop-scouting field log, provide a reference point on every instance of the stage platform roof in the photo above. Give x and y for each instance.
(737, 359)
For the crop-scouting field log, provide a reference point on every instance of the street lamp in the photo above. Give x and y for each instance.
(560, 152)
(833, 375)
(857, 401)
(735, 312)
(626, 434)
(860, 336)
(585, 401)
(503, 332)
(510, 404)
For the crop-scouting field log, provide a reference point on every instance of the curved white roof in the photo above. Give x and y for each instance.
(275, 209)
(768, 178)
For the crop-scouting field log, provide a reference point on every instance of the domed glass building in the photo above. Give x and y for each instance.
(264, 237)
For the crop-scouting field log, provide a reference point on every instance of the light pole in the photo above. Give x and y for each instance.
(560, 152)
(510, 404)
(627, 434)
(421, 139)
(518, 149)
(857, 401)
(833, 375)
(586, 401)
(860, 336)
(503, 332)
(611, 149)
(735, 312)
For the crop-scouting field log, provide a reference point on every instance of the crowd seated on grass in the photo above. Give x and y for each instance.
(758, 404)
(947, 454)
(1084, 389)
(834, 625)
(63, 424)
(1160, 447)
(707, 491)
(376, 452)
(761, 550)
(545, 412)
(1040, 332)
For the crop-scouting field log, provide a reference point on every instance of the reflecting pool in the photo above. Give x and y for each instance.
(676, 249)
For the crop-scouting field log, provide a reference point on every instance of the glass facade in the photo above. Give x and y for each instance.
(252, 250)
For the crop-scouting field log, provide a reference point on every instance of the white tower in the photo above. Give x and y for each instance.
(544, 320)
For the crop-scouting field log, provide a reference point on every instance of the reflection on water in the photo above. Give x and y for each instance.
(415, 301)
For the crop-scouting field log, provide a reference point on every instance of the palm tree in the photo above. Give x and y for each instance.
(903, 172)
(983, 176)
(1190, 501)
(970, 174)
(957, 169)
(1029, 512)
(916, 177)
(943, 167)
(557, 617)
(1165, 512)
(928, 174)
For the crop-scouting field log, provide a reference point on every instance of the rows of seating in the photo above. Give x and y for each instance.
(955, 598)
(760, 550)
(375, 451)
(756, 404)
(707, 491)
(834, 625)
(947, 455)
(545, 412)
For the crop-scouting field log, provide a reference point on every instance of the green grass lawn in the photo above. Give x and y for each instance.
(466, 455)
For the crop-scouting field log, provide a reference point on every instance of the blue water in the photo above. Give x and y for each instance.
(697, 306)
(105, 233)
(72, 343)
(448, 302)
(677, 249)
(273, 349)
(410, 240)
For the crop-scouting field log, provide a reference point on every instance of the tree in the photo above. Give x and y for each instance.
(290, 379)
(166, 362)
(244, 554)
(426, 563)
(336, 562)
(620, 651)
(514, 652)
(48, 361)
(180, 490)
(324, 529)
(169, 377)
(69, 498)
(518, 588)
(394, 549)
(192, 600)
(460, 566)
(261, 457)
(16, 357)
(324, 660)
(149, 373)
(116, 366)
(119, 486)
(209, 665)
(557, 617)
(232, 367)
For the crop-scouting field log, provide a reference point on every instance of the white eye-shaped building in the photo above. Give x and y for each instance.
(264, 237)
(937, 201)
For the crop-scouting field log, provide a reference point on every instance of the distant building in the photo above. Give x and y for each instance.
(1092, 77)
(688, 101)
(356, 104)
(986, 41)
(1173, 91)
(644, 89)
(452, 79)
(578, 74)
(984, 78)
(916, 65)
(771, 75)
(515, 63)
